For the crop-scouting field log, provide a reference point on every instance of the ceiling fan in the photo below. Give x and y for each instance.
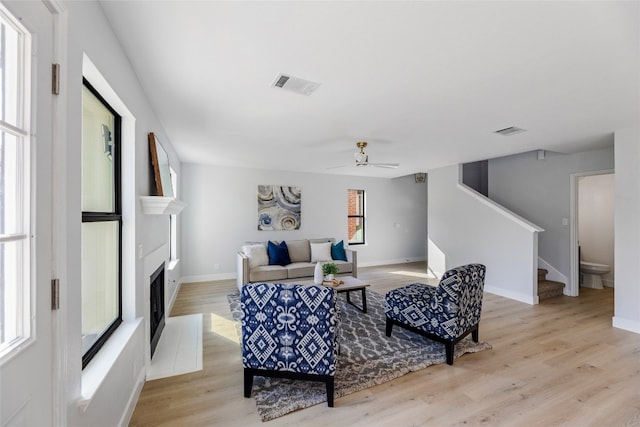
(363, 160)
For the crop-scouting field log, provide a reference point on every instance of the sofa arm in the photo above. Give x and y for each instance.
(352, 257)
(242, 264)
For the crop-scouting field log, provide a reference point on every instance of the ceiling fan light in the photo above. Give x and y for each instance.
(361, 157)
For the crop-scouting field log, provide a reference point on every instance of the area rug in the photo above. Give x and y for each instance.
(367, 358)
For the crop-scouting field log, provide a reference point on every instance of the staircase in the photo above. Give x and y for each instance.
(548, 288)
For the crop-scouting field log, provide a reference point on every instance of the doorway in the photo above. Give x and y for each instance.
(600, 236)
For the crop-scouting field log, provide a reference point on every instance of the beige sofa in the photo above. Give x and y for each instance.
(253, 261)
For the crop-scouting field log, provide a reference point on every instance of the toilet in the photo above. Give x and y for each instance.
(592, 274)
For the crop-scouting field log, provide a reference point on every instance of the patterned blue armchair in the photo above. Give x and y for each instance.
(289, 331)
(446, 313)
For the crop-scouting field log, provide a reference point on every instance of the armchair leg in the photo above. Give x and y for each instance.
(248, 382)
(330, 391)
(449, 347)
(474, 333)
(389, 327)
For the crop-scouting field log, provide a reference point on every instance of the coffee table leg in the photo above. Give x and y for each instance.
(364, 300)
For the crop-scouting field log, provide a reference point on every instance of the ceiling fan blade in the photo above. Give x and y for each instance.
(385, 165)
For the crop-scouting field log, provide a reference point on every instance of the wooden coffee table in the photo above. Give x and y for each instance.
(351, 284)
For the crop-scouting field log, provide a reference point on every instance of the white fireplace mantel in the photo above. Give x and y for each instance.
(157, 205)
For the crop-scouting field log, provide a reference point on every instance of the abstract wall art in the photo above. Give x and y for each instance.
(278, 207)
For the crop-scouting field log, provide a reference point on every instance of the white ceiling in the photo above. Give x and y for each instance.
(425, 83)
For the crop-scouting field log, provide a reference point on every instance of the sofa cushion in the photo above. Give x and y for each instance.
(257, 254)
(299, 250)
(344, 266)
(300, 269)
(278, 254)
(267, 273)
(320, 251)
(337, 251)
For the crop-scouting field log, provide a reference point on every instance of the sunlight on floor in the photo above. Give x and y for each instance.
(428, 275)
(224, 327)
(179, 350)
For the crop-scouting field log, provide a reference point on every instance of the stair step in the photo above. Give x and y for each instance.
(542, 274)
(549, 289)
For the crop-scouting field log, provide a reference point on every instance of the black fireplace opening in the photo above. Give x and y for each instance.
(157, 307)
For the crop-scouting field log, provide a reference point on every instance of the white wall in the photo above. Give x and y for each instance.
(222, 214)
(627, 246)
(540, 191)
(92, 45)
(467, 228)
(596, 217)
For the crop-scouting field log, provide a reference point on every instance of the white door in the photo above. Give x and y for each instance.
(26, 377)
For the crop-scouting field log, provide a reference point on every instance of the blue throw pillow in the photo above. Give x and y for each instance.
(278, 254)
(337, 251)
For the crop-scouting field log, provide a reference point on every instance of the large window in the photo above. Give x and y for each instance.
(101, 222)
(355, 220)
(15, 190)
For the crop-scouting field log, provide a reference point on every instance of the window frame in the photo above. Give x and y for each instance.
(360, 197)
(173, 224)
(116, 215)
(24, 301)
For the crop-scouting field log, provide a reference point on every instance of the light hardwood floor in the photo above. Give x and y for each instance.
(557, 363)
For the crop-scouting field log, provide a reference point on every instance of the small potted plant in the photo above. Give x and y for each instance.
(329, 269)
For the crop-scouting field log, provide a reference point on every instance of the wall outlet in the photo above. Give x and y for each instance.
(216, 266)
(140, 251)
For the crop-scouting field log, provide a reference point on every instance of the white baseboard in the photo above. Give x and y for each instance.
(227, 276)
(391, 261)
(626, 324)
(208, 277)
(527, 299)
(133, 399)
(172, 300)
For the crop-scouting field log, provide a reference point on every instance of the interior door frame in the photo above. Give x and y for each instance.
(574, 280)
(59, 186)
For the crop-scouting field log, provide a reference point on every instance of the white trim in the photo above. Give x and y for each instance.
(173, 263)
(495, 206)
(156, 205)
(552, 273)
(626, 324)
(391, 261)
(133, 399)
(501, 209)
(173, 298)
(207, 277)
(59, 183)
(228, 276)
(527, 299)
(152, 261)
(25, 197)
(12, 237)
(100, 366)
(16, 131)
(573, 288)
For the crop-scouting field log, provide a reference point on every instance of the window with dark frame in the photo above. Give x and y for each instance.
(101, 236)
(355, 217)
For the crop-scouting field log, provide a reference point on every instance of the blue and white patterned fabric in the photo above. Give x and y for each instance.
(289, 327)
(448, 311)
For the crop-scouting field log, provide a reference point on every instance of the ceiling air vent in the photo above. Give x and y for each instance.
(295, 84)
(512, 130)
